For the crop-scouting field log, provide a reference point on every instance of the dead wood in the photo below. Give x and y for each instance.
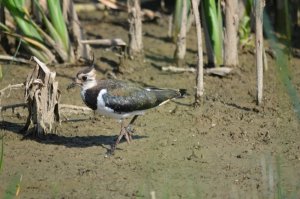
(42, 98)
(63, 108)
(15, 59)
(135, 49)
(259, 7)
(220, 71)
(178, 69)
(199, 75)
(230, 33)
(10, 87)
(181, 38)
(105, 42)
(69, 12)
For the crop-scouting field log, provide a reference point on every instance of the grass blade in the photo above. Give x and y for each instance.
(213, 19)
(16, 9)
(58, 22)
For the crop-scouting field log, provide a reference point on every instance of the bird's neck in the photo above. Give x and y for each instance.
(89, 84)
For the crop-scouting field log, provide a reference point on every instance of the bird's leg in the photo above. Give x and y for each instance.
(125, 131)
(129, 129)
(122, 133)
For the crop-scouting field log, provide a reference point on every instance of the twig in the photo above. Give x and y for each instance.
(62, 107)
(12, 106)
(10, 87)
(11, 58)
(170, 25)
(220, 71)
(105, 42)
(177, 69)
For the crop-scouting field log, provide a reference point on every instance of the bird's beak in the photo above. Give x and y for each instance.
(73, 84)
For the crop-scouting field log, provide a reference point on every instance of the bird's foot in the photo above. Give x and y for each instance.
(129, 131)
(126, 132)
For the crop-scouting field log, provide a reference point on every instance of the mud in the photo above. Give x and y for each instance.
(226, 148)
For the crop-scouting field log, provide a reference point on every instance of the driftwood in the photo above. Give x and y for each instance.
(105, 42)
(42, 98)
(219, 71)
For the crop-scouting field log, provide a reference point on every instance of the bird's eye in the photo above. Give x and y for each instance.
(84, 78)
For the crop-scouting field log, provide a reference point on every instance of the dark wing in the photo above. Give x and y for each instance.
(125, 97)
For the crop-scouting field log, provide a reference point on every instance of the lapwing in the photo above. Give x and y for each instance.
(120, 99)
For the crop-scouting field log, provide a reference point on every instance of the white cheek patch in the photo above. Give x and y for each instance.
(91, 74)
(89, 84)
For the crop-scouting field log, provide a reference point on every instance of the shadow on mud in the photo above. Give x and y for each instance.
(56, 139)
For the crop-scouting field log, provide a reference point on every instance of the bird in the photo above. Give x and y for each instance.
(120, 99)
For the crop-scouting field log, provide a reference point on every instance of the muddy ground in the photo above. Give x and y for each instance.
(226, 148)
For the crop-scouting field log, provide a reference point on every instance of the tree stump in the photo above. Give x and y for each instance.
(42, 98)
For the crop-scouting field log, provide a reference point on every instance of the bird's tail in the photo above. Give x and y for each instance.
(164, 95)
(183, 93)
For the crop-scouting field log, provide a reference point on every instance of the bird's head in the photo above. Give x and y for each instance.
(85, 78)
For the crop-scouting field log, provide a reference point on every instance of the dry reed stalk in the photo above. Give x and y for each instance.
(230, 33)
(135, 49)
(181, 37)
(259, 7)
(199, 76)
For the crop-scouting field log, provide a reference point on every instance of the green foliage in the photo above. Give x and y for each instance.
(282, 63)
(177, 18)
(43, 45)
(213, 18)
(30, 36)
(58, 21)
(245, 25)
(283, 23)
(14, 187)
